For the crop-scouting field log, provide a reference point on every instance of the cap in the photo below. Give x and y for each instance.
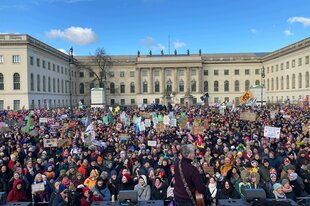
(62, 188)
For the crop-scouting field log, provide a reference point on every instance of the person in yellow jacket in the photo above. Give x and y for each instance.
(90, 182)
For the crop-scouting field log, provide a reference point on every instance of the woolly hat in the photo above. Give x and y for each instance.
(143, 177)
(113, 172)
(127, 176)
(273, 175)
(284, 181)
(62, 188)
(293, 176)
(276, 186)
(99, 159)
(85, 189)
(290, 167)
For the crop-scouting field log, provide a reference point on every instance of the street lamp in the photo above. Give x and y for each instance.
(71, 64)
(261, 86)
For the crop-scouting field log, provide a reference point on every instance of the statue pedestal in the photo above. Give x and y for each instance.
(188, 100)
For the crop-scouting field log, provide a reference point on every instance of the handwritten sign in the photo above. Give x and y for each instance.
(197, 130)
(249, 116)
(124, 137)
(151, 143)
(50, 142)
(43, 120)
(272, 132)
(147, 123)
(38, 187)
(160, 127)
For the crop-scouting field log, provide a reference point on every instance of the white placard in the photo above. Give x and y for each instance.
(166, 120)
(43, 120)
(151, 143)
(173, 122)
(286, 116)
(147, 123)
(272, 132)
(142, 126)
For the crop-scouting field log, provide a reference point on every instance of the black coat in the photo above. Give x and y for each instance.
(158, 193)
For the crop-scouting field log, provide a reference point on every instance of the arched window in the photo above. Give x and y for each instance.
(112, 88)
(1, 82)
(31, 82)
(226, 86)
(44, 84)
(193, 85)
(299, 80)
(277, 83)
(58, 86)
(272, 84)
(293, 81)
(307, 80)
(54, 85)
(247, 85)
(38, 82)
(49, 84)
(257, 82)
(132, 87)
(181, 86)
(144, 89)
(169, 86)
(205, 86)
(282, 82)
(81, 88)
(157, 86)
(287, 82)
(216, 86)
(122, 89)
(16, 81)
(237, 85)
(268, 85)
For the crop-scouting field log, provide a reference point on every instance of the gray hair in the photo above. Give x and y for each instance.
(187, 149)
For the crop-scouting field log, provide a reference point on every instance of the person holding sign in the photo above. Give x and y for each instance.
(40, 189)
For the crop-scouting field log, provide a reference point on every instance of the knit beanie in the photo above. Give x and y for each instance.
(284, 181)
(62, 188)
(127, 176)
(276, 186)
(85, 189)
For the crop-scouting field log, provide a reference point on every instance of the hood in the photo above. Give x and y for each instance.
(16, 182)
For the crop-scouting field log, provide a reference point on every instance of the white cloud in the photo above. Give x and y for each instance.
(150, 43)
(179, 44)
(77, 35)
(288, 33)
(63, 51)
(303, 20)
(253, 31)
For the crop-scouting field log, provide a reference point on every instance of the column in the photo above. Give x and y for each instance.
(175, 79)
(162, 83)
(138, 80)
(200, 79)
(188, 83)
(151, 81)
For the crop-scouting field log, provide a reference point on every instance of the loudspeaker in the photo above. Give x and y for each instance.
(254, 194)
(151, 203)
(19, 204)
(233, 202)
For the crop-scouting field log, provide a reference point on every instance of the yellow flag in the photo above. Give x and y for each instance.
(246, 97)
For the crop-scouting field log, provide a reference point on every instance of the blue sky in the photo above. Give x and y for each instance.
(122, 27)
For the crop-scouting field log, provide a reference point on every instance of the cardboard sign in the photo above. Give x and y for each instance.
(160, 127)
(151, 143)
(119, 127)
(249, 116)
(147, 123)
(64, 142)
(173, 122)
(166, 120)
(38, 187)
(272, 132)
(145, 115)
(206, 124)
(183, 123)
(306, 128)
(197, 130)
(210, 170)
(43, 120)
(124, 137)
(50, 143)
(197, 121)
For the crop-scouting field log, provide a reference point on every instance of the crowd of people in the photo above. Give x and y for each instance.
(109, 150)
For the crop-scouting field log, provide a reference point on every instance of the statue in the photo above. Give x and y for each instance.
(199, 52)
(138, 54)
(187, 93)
(162, 52)
(188, 52)
(150, 52)
(175, 52)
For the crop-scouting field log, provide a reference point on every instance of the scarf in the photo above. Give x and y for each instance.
(212, 189)
(279, 196)
(287, 190)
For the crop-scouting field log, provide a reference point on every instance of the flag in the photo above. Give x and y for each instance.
(88, 119)
(246, 97)
(28, 123)
(116, 109)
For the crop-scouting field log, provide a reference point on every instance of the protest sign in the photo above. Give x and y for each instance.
(206, 124)
(160, 127)
(197, 130)
(286, 116)
(142, 126)
(273, 114)
(50, 142)
(173, 122)
(124, 137)
(38, 187)
(147, 123)
(166, 120)
(43, 120)
(197, 121)
(64, 142)
(145, 115)
(183, 123)
(119, 126)
(306, 128)
(151, 143)
(249, 116)
(272, 132)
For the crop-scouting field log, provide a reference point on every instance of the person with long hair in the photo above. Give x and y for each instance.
(212, 191)
(228, 191)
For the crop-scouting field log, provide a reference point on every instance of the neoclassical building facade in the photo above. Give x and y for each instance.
(45, 78)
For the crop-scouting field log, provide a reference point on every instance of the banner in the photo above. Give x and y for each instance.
(249, 116)
(272, 132)
(246, 97)
(197, 130)
(50, 142)
(124, 137)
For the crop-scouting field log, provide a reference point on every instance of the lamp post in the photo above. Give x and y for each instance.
(71, 64)
(261, 86)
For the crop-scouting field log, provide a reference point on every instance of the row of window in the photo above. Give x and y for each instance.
(275, 68)
(216, 72)
(15, 59)
(16, 81)
(16, 105)
(273, 84)
(50, 66)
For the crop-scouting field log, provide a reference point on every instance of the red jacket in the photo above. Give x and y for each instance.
(84, 201)
(16, 195)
